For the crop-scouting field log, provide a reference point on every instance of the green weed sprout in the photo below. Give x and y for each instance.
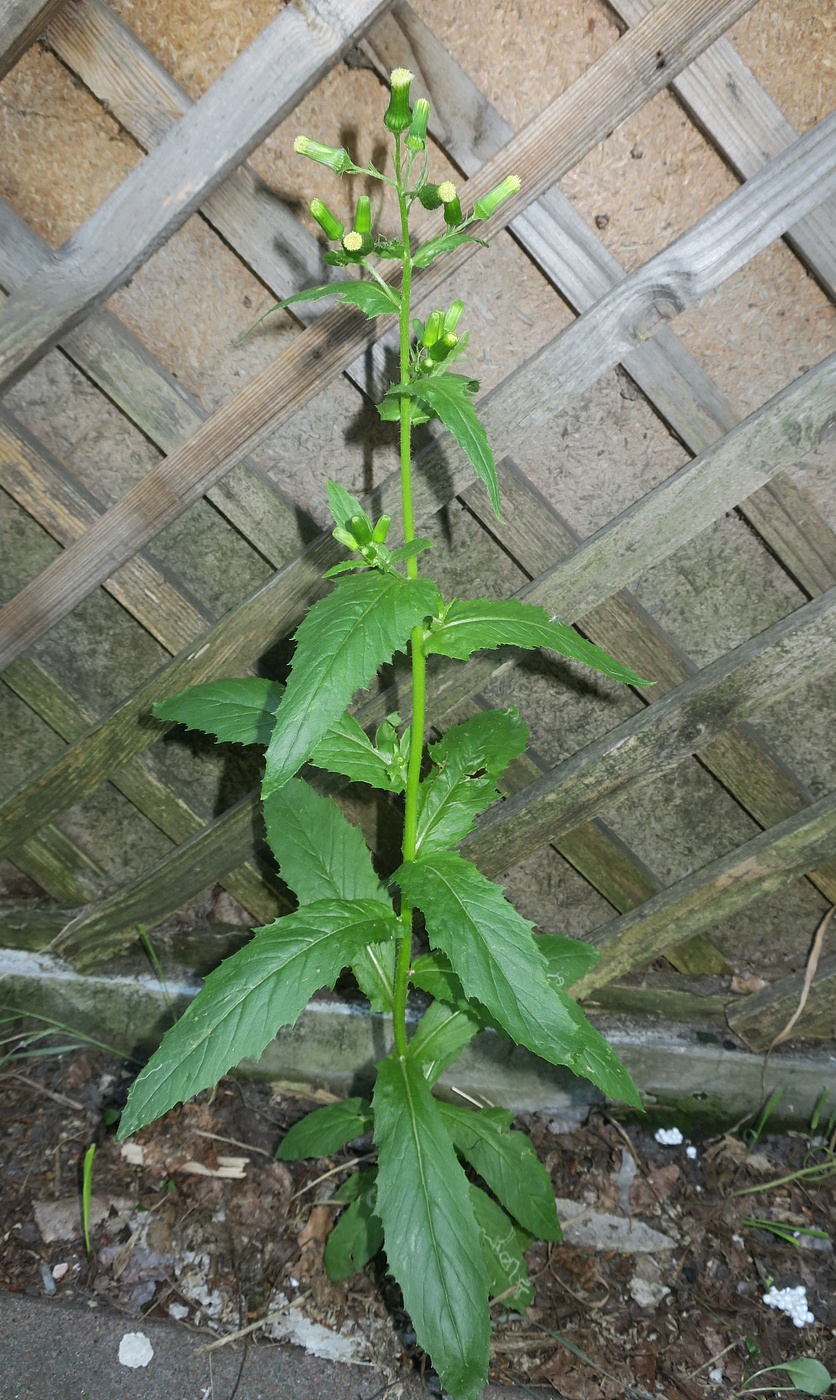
(451, 1244)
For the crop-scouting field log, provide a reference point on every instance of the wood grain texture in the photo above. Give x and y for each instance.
(758, 868)
(627, 75)
(651, 744)
(21, 23)
(255, 93)
(748, 128)
(59, 865)
(759, 1018)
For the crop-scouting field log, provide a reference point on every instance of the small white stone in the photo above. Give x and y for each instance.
(59, 1270)
(691, 1152)
(135, 1350)
(668, 1137)
(716, 1375)
(178, 1311)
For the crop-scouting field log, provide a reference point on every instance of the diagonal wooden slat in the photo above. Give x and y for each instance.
(770, 860)
(801, 647)
(59, 865)
(256, 92)
(622, 80)
(759, 1018)
(722, 94)
(21, 22)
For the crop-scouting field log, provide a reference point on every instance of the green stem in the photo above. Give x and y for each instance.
(418, 659)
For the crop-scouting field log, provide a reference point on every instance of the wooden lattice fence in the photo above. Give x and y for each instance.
(196, 161)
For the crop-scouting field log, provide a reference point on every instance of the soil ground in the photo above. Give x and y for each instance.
(658, 1289)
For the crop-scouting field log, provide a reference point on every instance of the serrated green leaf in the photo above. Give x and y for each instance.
(346, 567)
(354, 1240)
(411, 551)
(359, 1186)
(493, 950)
(483, 625)
(446, 397)
(341, 643)
(452, 796)
(440, 1036)
(246, 1000)
(369, 296)
(432, 1242)
(434, 975)
(567, 959)
(326, 1130)
(445, 243)
(237, 711)
(347, 749)
(343, 505)
(374, 972)
(503, 1247)
(320, 854)
(508, 1163)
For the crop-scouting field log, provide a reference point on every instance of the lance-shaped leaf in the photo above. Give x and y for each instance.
(343, 640)
(358, 1234)
(369, 296)
(445, 243)
(503, 1247)
(434, 975)
(567, 959)
(493, 951)
(508, 1163)
(432, 1241)
(483, 625)
(322, 856)
(348, 750)
(452, 795)
(246, 1000)
(440, 1036)
(446, 396)
(237, 711)
(326, 1130)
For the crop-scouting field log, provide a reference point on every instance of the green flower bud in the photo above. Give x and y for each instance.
(452, 208)
(429, 196)
(336, 158)
(328, 222)
(451, 316)
(343, 537)
(358, 244)
(363, 215)
(449, 340)
(397, 116)
(360, 528)
(433, 329)
(416, 137)
(381, 529)
(484, 207)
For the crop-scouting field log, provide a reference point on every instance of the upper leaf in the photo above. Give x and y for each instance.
(320, 854)
(440, 1036)
(326, 1130)
(472, 626)
(492, 949)
(369, 296)
(503, 1246)
(446, 396)
(246, 1000)
(237, 711)
(434, 975)
(431, 1239)
(340, 644)
(343, 505)
(452, 795)
(347, 749)
(374, 972)
(445, 243)
(508, 1163)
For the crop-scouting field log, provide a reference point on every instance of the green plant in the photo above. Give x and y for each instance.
(806, 1374)
(86, 1192)
(450, 1243)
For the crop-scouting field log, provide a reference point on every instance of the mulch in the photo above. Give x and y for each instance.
(194, 1219)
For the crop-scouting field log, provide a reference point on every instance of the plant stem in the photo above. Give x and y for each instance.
(416, 648)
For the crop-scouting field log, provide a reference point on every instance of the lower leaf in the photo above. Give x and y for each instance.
(431, 1239)
(326, 1130)
(503, 1246)
(354, 1240)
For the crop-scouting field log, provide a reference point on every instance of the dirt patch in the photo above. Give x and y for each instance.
(658, 1288)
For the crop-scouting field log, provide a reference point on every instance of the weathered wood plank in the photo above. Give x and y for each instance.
(255, 93)
(58, 864)
(166, 808)
(534, 534)
(728, 103)
(769, 861)
(107, 352)
(30, 926)
(212, 853)
(795, 532)
(21, 22)
(758, 1018)
(622, 80)
(658, 1003)
(648, 745)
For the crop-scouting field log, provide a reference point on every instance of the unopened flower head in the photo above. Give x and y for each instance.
(484, 207)
(363, 215)
(328, 222)
(446, 191)
(429, 196)
(335, 157)
(416, 137)
(358, 244)
(398, 116)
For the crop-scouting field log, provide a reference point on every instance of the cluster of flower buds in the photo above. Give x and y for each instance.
(363, 538)
(438, 336)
